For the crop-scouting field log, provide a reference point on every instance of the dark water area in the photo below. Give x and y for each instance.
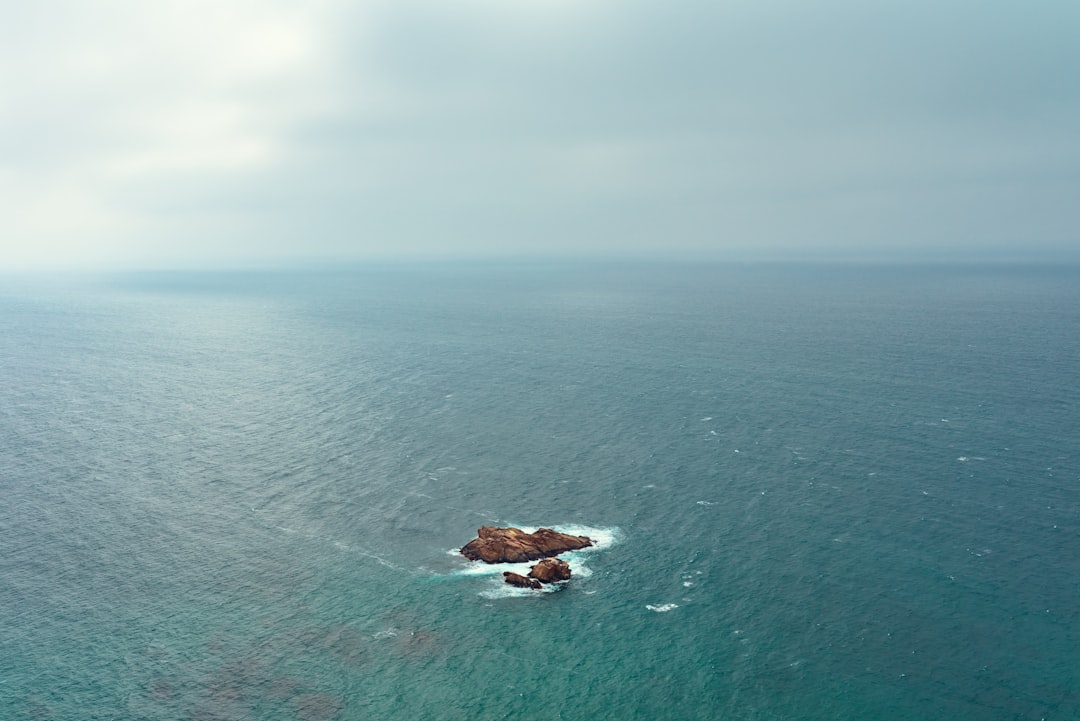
(820, 493)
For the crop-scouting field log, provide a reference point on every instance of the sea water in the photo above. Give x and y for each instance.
(818, 492)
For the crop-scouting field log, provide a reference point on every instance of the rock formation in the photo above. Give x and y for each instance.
(512, 545)
(550, 570)
(516, 579)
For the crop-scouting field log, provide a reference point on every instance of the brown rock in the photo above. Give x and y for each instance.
(512, 545)
(516, 579)
(550, 570)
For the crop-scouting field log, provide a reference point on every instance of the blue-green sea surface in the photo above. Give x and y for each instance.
(820, 493)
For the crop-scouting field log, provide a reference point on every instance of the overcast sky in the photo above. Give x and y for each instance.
(194, 133)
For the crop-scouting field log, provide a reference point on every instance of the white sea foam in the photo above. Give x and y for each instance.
(602, 538)
(505, 590)
(479, 568)
(662, 608)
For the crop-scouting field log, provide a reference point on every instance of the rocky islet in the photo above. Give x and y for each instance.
(513, 545)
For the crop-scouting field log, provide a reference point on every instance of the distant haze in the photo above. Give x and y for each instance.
(244, 133)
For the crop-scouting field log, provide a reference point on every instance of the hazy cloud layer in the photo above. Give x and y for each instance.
(193, 133)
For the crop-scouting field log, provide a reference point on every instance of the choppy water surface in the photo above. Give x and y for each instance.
(822, 493)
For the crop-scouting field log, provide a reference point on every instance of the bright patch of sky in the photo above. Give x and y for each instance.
(190, 133)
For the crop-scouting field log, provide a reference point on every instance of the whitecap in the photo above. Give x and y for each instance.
(662, 608)
(704, 503)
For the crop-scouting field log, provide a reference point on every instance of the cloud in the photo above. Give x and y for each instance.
(236, 132)
(114, 95)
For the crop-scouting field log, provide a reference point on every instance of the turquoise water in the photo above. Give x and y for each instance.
(824, 493)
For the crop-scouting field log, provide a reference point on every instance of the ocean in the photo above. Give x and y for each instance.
(819, 492)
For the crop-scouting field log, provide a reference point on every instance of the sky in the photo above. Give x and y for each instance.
(263, 133)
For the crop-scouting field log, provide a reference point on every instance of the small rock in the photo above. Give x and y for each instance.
(551, 570)
(516, 579)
